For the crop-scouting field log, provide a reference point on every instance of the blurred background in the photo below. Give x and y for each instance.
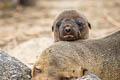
(25, 20)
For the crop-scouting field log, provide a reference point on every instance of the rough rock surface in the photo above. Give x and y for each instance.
(89, 77)
(12, 69)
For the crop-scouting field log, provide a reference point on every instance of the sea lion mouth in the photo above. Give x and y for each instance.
(69, 37)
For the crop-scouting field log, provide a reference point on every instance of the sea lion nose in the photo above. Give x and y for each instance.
(67, 29)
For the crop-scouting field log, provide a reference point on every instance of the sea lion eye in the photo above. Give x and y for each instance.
(58, 23)
(80, 23)
(64, 78)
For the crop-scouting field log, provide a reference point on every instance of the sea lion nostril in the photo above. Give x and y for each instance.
(68, 29)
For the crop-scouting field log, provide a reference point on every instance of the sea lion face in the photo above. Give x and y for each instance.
(70, 29)
(53, 73)
(55, 69)
(70, 26)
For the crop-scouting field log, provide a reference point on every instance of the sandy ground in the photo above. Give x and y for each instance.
(22, 24)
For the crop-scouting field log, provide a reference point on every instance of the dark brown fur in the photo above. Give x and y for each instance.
(70, 25)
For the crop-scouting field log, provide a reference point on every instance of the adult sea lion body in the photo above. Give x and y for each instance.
(65, 60)
(70, 25)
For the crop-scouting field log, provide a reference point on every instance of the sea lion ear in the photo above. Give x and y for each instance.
(85, 71)
(89, 25)
(52, 28)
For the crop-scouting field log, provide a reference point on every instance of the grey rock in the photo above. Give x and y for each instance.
(12, 69)
(89, 77)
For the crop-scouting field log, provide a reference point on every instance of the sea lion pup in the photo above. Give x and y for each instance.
(50, 67)
(70, 25)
